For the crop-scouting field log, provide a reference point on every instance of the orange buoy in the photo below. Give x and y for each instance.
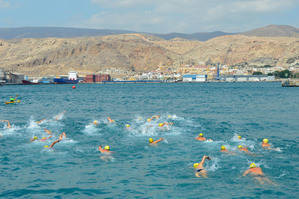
(73, 87)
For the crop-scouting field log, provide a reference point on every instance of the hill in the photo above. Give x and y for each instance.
(125, 53)
(274, 31)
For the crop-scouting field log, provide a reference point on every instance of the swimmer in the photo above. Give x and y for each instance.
(200, 137)
(110, 120)
(105, 150)
(239, 137)
(35, 138)
(8, 123)
(95, 122)
(265, 144)
(149, 119)
(224, 150)
(245, 149)
(56, 141)
(128, 126)
(152, 142)
(200, 170)
(257, 173)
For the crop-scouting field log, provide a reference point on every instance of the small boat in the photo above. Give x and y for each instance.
(14, 102)
(26, 82)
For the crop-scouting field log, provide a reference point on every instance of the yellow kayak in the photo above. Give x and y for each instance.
(18, 101)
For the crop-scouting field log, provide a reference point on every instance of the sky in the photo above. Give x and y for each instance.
(155, 16)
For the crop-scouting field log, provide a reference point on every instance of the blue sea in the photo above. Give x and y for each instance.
(74, 168)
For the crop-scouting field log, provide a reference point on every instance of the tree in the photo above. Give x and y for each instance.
(257, 73)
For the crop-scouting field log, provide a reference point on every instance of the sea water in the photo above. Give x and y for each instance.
(74, 168)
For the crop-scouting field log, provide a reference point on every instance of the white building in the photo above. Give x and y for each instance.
(195, 78)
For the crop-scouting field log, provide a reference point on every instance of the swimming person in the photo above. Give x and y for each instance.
(43, 138)
(245, 149)
(257, 173)
(224, 150)
(8, 123)
(200, 170)
(56, 141)
(152, 142)
(265, 144)
(110, 120)
(105, 150)
(200, 137)
(95, 122)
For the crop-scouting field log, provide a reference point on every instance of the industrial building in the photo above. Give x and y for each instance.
(195, 78)
(247, 78)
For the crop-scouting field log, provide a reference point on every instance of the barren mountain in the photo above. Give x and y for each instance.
(274, 31)
(137, 52)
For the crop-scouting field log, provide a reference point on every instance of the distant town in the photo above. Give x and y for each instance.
(187, 73)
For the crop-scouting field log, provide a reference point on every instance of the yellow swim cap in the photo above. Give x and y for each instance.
(128, 125)
(107, 147)
(169, 116)
(43, 138)
(252, 165)
(160, 124)
(150, 140)
(95, 122)
(46, 146)
(200, 135)
(239, 136)
(265, 141)
(149, 119)
(195, 165)
(35, 137)
(240, 146)
(223, 147)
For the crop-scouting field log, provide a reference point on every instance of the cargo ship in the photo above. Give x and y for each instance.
(72, 79)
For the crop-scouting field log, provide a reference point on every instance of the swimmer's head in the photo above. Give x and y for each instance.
(252, 165)
(160, 124)
(169, 116)
(223, 147)
(128, 125)
(200, 135)
(46, 146)
(107, 147)
(35, 138)
(95, 122)
(195, 165)
(240, 146)
(149, 119)
(239, 137)
(43, 138)
(151, 140)
(265, 141)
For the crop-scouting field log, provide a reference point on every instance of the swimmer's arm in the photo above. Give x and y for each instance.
(48, 131)
(55, 142)
(8, 124)
(155, 142)
(246, 172)
(203, 159)
(101, 149)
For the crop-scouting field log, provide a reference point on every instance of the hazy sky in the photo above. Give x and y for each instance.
(156, 16)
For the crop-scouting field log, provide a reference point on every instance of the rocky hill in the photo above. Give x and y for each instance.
(274, 31)
(139, 52)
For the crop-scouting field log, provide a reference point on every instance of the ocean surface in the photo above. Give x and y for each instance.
(74, 168)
